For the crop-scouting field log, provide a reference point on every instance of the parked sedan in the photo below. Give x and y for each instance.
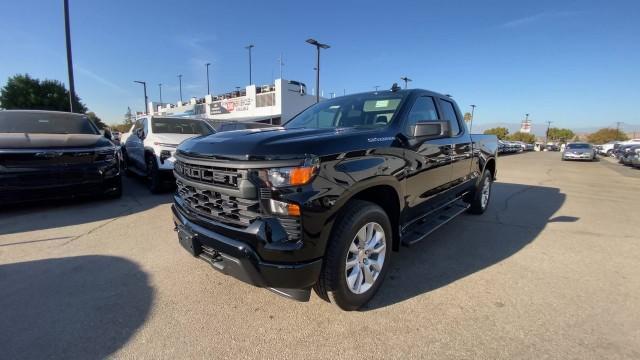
(50, 154)
(579, 151)
(629, 154)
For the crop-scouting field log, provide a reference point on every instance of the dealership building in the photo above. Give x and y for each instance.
(273, 104)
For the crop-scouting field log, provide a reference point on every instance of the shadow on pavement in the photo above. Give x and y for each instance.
(84, 307)
(516, 215)
(57, 213)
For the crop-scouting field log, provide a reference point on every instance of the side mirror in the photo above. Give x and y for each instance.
(431, 129)
(140, 133)
(107, 134)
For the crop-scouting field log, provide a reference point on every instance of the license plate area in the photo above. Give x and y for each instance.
(188, 241)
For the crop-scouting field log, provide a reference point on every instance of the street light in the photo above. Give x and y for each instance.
(318, 46)
(473, 108)
(207, 66)
(249, 47)
(67, 31)
(406, 80)
(160, 86)
(144, 84)
(180, 79)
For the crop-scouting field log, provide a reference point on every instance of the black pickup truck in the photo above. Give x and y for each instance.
(325, 200)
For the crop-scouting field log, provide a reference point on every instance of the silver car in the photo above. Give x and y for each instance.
(579, 151)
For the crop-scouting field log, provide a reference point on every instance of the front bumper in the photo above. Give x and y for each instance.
(231, 256)
(582, 156)
(30, 184)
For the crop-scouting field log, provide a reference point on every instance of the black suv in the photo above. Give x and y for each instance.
(50, 154)
(324, 201)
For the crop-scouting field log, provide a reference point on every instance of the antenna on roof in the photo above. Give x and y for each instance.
(395, 87)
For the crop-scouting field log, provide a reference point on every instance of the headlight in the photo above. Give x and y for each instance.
(293, 176)
(106, 155)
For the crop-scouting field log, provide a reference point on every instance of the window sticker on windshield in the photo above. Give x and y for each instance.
(382, 103)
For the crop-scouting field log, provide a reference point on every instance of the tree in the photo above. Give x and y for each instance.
(605, 135)
(128, 118)
(524, 137)
(500, 132)
(25, 92)
(560, 134)
(96, 120)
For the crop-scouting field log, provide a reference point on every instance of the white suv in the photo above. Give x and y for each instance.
(152, 142)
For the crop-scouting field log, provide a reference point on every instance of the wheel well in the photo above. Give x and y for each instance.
(386, 197)
(491, 166)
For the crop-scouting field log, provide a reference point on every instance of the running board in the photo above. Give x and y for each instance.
(431, 223)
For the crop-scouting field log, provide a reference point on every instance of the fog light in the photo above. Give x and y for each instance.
(164, 155)
(283, 208)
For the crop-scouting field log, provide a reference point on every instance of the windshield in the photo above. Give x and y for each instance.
(45, 123)
(360, 110)
(579, 146)
(179, 126)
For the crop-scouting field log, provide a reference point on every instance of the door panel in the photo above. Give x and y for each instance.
(428, 175)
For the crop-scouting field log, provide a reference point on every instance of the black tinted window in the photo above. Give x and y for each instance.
(45, 123)
(424, 109)
(179, 126)
(449, 113)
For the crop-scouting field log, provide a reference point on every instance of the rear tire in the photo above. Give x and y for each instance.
(357, 257)
(482, 194)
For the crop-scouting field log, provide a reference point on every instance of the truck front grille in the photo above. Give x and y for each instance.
(220, 207)
(209, 174)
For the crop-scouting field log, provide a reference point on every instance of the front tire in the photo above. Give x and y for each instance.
(357, 257)
(482, 194)
(153, 175)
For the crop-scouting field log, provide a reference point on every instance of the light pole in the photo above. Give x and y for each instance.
(207, 66)
(546, 139)
(180, 80)
(160, 87)
(473, 108)
(67, 31)
(144, 84)
(318, 46)
(406, 81)
(281, 63)
(249, 47)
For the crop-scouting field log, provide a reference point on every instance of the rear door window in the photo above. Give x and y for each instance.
(449, 114)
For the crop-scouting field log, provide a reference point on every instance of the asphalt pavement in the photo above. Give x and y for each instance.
(552, 270)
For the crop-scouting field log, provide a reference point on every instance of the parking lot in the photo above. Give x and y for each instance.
(550, 271)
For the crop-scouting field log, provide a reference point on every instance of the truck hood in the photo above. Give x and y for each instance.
(172, 139)
(57, 141)
(281, 143)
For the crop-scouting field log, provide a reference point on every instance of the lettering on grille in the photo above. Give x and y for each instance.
(207, 174)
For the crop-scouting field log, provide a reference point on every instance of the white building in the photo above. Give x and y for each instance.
(274, 104)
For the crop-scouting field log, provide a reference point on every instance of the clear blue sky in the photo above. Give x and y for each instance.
(576, 63)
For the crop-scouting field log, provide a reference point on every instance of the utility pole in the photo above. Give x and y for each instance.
(67, 31)
(160, 87)
(473, 108)
(146, 101)
(406, 81)
(344, 92)
(546, 140)
(618, 130)
(281, 63)
(249, 47)
(376, 87)
(332, 95)
(318, 46)
(180, 80)
(207, 66)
